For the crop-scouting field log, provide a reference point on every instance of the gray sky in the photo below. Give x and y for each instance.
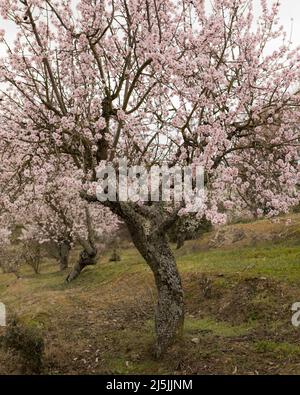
(290, 18)
(289, 14)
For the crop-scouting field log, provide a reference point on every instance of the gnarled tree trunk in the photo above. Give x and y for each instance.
(89, 254)
(152, 243)
(87, 257)
(169, 315)
(148, 226)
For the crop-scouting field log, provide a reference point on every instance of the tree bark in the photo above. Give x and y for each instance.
(148, 226)
(169, 313)
(64, 253)
(89, 254)
(87, 257)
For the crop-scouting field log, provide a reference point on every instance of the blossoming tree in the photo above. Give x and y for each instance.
(43, 207)
(156, 81)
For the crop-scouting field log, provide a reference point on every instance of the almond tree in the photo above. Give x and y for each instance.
(156, 81)
(47, 214)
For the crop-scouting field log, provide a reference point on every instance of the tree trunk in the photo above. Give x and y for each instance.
(64, 253)
(89, 254)
(115, 257)
(87, 258)
(147, 227)
(169, 314)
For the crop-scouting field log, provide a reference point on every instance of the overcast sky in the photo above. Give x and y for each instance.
(289, 14)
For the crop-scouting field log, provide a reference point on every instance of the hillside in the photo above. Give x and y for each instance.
(240, 283)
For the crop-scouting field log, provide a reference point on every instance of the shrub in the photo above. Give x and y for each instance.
(28, 343)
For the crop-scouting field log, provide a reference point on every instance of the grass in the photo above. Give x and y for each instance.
(103, 321)
(217, 328)
(278, 262)
(282, 349)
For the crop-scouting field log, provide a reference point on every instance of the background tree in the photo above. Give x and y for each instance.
(48, 215)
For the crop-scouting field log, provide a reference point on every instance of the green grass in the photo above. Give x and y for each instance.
(283, 349)
(279, 262)
(217, 328)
